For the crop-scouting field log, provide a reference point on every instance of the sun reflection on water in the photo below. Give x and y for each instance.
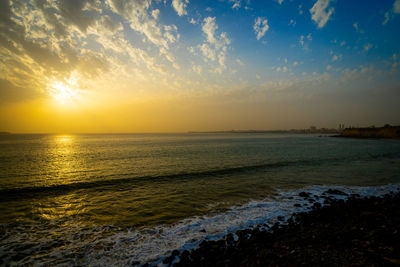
(63, 139)
(61, 207)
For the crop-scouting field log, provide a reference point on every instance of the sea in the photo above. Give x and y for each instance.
(130, 199)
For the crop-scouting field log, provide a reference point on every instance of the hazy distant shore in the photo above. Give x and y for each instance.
(357, 232)
(390, 132)
(293, 131)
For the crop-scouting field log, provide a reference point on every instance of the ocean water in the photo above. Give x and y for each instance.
(128, 198)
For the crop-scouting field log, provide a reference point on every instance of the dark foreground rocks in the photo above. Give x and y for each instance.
(358, 232)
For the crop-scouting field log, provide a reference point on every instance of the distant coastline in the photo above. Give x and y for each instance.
(390, 132)
(292, 131)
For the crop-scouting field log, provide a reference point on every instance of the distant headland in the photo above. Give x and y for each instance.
(387, 131)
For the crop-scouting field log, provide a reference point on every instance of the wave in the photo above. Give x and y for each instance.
(37, 191)
(108, 245)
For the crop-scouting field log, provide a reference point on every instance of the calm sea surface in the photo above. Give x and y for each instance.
(117, 199)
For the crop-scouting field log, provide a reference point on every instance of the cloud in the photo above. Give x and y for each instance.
(155, 13)
(74, 12)
(46, 41)
(10, 92)
(260, 27)
(387, 18)
(236, 4)
(300, 9)
(280, 1)
(215, 47)
(396, 7)
(320, 12)
(137, 13)
(180, 6)
(197, 69)
(301, 40)
(391, 13)
(367, 47)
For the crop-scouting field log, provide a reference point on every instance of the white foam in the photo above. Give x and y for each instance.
(102, 246)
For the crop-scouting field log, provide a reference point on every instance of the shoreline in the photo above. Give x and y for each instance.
(111, 245)
(358, 231)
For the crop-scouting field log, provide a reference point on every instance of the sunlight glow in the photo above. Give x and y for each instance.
(62, 92)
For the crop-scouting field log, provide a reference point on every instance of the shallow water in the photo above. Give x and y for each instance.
(79, 199)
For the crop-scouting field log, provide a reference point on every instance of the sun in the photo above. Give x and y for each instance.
(62, 92)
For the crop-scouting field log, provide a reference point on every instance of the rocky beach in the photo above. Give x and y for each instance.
(356, 232)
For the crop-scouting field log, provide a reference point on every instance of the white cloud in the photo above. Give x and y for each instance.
(301, 40)
(260, 27)
(320, 12)
(280, 1)
(343, 43)
(192, 21)
(367, 47)
(180, 6)
(236, 4)
(309, 37)
(355, 25)
(192, 50)
(208, 52)
(328, 67)
(238, 61)
(300, 8)
(209, 27)
(215, 47)
(155, 13)
(136, 12)
(336, 57)
(387, 18)
(292, 22)
(197, 69)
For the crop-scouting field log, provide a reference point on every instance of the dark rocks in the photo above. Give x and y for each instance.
(297, 205)
(335, 192)
(316, 205)
(304, 194)
(358, 232)
(175, 252)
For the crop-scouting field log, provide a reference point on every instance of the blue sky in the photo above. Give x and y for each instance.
(179, 63)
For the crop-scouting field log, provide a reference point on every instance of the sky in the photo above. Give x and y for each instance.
(83, 66)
